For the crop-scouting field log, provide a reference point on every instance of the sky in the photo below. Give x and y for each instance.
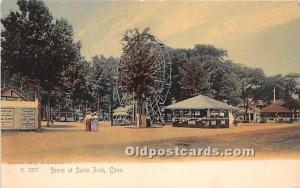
(264, 34)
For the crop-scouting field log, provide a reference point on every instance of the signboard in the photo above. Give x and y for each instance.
(213, 122)
(192, 122)
(28, 117)
(7, 117)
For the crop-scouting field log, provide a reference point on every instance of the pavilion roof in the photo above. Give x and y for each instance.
(275, 108)
(200, 102)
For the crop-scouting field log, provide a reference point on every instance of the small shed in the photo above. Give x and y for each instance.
(276, 113)
(122, 115)
(252, 115)
(200, 111)
(17, 112)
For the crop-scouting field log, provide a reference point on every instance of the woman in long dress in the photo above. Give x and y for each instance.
(88, 121)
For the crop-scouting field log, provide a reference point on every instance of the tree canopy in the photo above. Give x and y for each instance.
(137, 65)
(37, 47)
(39, 55)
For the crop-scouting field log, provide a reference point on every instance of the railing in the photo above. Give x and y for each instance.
(201, 122)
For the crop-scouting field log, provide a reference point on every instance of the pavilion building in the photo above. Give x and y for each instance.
(200, 111)
(276, 113)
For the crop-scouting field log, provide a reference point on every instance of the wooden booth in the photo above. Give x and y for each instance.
(122, 116)
(17, 112)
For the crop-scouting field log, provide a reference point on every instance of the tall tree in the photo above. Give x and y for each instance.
(251, 83)
(197, 76)
(225, 84)
(103, 72)
(76, 84)
(205, 70)
(36, 46)
(178, 58)
(138, 67)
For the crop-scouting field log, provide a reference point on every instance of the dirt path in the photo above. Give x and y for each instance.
(70, 143)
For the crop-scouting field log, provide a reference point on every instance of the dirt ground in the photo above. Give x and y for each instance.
(68, 142)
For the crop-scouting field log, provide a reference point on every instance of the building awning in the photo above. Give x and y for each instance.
(275, 108)
(121, 111)
(9, 93)
(200, 102)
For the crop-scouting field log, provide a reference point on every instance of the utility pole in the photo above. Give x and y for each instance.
(274, 93)
(111, 103)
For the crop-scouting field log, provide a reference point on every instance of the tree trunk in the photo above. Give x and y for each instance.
(98, 104)
(142, 114)
(48, 110)
(246, 114)
(58, 112)
(39, 97)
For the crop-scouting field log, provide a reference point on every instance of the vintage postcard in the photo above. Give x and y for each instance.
(150, 93)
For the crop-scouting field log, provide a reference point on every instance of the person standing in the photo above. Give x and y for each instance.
(88, 121)
(94, 127)
(235, 121)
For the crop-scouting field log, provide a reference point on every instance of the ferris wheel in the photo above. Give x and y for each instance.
(161, 75)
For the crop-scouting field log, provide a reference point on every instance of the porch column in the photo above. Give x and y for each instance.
(249, 116)
(208, 113)
(208, 116)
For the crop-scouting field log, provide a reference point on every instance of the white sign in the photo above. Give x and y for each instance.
(28, 117)
(191, 122)
(7, 117)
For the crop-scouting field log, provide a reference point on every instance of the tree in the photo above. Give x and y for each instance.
(37, 47)
(225, 84)
(177, 57)
(137, 67)
(251, 83)
(204, 70)
(75, 84)
(103, 71)
(196, 77)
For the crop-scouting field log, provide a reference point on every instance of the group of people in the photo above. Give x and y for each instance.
(91, 122)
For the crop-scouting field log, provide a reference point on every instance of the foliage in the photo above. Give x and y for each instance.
(75, 82)
(37, 48)
(203, 70)
(35, 45)
(102, 79)
(39, 56)
(251, 82)
(137, 66)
